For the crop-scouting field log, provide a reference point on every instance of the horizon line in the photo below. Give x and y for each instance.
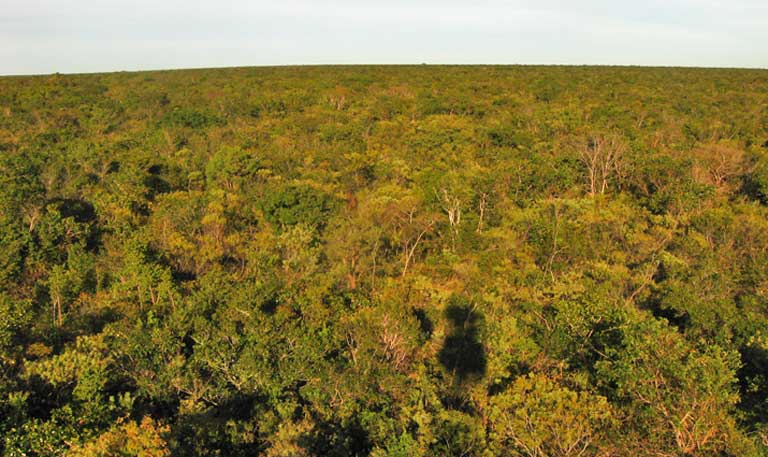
(434, 64)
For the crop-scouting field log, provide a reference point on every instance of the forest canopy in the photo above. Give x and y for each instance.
(386, 261)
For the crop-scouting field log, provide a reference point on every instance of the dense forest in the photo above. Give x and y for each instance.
(387, 261)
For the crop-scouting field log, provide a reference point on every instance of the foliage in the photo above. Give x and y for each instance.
(405, 261)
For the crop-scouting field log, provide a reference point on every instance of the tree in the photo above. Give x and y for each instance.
(291, 204)
(720, 165)
(680, 397)
(602, 155)
(60, 290)
(144, 439)
(536, 417)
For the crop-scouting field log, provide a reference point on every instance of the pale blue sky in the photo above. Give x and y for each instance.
(45, 36)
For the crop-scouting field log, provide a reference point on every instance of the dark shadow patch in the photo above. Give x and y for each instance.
(80, 210)
(753, 384)
(337, 439)
(156, 185)
(426, 325)
(463, 354)
(211, 428)
(270, 303)
(183, 275)
(94, 322)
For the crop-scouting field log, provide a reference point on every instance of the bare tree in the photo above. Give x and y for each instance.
(719, 164)
(481, 207)
(602, 156)
(452, 206)
(410, 245)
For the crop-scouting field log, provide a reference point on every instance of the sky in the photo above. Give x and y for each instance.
(78, 36)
